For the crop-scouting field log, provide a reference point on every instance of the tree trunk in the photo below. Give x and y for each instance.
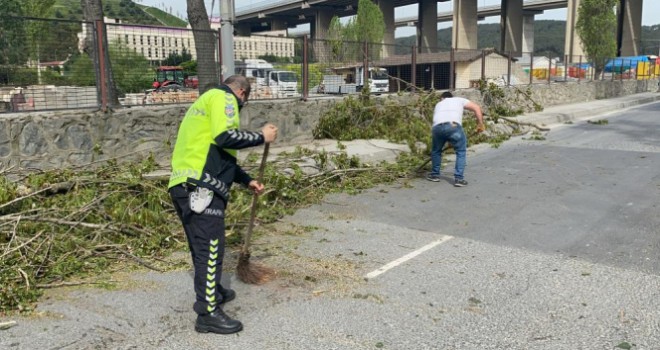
(206, 41)
(92, 12)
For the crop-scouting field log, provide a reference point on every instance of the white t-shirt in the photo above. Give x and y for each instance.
(449, 109)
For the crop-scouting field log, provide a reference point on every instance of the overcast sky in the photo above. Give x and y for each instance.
(650, 14)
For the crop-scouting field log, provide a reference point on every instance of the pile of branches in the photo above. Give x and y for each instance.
(364, 117)
(64, 224)
(69, 226)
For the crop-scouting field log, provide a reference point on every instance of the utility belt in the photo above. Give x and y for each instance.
(201, 191)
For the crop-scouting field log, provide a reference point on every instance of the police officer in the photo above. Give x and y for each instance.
(203, 169)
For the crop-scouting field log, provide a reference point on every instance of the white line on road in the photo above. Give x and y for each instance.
(401, 260)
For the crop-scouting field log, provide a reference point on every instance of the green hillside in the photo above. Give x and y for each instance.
(61, 39)
(548, 38)
(651, 40)
(126, 10)
(163, 17)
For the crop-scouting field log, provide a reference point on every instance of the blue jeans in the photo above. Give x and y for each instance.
(454, 134)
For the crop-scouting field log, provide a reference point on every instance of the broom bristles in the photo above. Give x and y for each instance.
(253, 273)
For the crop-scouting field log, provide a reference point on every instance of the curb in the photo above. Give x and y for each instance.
(597, 107)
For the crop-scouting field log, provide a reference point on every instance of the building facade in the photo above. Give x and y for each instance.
(157, 43)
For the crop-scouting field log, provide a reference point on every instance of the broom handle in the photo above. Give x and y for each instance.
(255, 202)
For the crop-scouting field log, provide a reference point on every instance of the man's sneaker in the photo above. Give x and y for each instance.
(434, 178)
(460, 183)
(217, 322)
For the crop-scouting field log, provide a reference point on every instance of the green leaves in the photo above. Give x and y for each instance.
(345, 41)
(625, 345)
(596, 26)
(360, 118)
(66, 223)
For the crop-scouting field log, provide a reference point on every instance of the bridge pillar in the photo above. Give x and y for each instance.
(242, 29)
(318, 32)
(630, 27)
(511, 27)
(278, 24)
(464, 31)
(573, 44)
(387, 8)
(427, 26)
(528, 34)
(319, 27)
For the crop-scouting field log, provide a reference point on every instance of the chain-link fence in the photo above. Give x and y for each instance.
(42, 68)
(156, 65)
(48, 64)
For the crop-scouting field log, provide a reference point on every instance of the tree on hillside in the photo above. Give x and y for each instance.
(92, 12)
(596, 26)
(205, 43)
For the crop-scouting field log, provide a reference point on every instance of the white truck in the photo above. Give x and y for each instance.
(282, 83)
(253, 68)
(348, 80)
(269, 82)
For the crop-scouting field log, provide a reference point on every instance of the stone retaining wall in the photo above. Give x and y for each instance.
(47, 140)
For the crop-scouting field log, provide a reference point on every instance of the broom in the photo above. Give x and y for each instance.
(249, 272)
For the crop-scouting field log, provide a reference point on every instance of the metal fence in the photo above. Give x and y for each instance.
(48, 64)
(37, 69)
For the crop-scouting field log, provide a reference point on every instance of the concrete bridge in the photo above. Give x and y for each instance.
(517, 21)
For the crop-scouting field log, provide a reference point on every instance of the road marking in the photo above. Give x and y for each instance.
(401, 260)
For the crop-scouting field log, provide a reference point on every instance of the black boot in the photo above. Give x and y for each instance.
(217, 322)
(227, 295)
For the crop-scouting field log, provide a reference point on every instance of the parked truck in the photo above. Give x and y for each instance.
(347, 80)
(253, 68)
(282, 83)
(269, 82)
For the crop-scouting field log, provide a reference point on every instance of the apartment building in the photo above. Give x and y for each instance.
(157, 43)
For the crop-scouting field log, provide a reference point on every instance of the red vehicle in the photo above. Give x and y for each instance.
(173, 77)
(191, 82)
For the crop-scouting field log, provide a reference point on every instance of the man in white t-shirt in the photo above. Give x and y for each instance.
(448, 127)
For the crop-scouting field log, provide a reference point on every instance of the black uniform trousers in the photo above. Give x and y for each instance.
(206, 239)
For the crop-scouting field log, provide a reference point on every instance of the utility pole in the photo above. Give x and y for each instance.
(227, 18)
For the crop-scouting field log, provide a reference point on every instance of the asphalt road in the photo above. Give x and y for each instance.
(553, 245)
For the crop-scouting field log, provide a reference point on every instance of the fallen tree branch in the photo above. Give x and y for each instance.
(7, 252)
(123, 229)
(7, 325)
(52, 189)
(139, 260)
(512, 121)
(22, 198)
(67, 284)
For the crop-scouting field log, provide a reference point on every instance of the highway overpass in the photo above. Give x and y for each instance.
(516, 18)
